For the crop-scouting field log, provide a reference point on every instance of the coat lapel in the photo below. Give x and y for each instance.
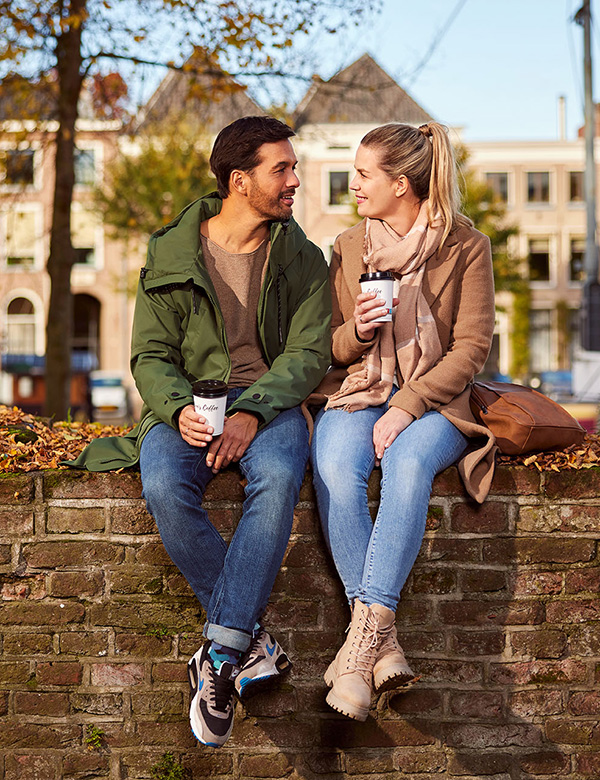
(439, 269)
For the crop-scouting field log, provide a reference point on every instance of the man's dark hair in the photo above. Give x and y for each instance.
(236, 147)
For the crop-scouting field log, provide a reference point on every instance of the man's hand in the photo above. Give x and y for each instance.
(237, 434)
(385, 430)
(193, 427)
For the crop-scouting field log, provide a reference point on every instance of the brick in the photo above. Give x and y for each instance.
(106, 704)
(469, 643)
(449, 483)
(483, 581)
(83, 584)
(582, 580)
(539, 643)
(176, 585)
(14, 672)
(42, 613)
(488, 518)
(292, 614)
(27, 644)
(417, 701)
(381, 733)
(435, 518)
(584, 703)
(169, 672)
(225, 520)
(537, 583)
(157, 704)
(585, 640)
(226, 486)
(131, 518)
(569, 732)
(4, 553)
(16, 488)
(538, 672)
(190, 642)
(18, 588)
(515, 481)
(117, 675)
(307, 583)
(573, 611)
(477, 764)
(3, 703)
(306, 521)
(588, 764)
(476, 704)
(412, 762)
(207, 764)
(85, 484)
(16, 521)
(27, 766)
(280, 699)
(433, 581)
(84, 765)
(369, 762)
(323, 763)
(146, 615)
(266, 765)
(59, 673)
(39, 704)
(82, 643)
(136, 579)
(526, 550)
(422, 642)
(153, 554)
(286, 733)
(570, 518)
(302, 554)
(150, 733)
(413, 612)
(529, 704)
(451, 550)
(465, 613)
(73, 520)
(566, 484)
(497, 735)
(442, 671)
(22, 735)
(54, 555)
(142, 645)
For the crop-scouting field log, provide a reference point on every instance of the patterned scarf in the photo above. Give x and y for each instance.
(410, 344)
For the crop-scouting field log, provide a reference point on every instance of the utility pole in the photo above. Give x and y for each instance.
(590, 303)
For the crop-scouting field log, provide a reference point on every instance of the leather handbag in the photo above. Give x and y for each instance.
(523, 420)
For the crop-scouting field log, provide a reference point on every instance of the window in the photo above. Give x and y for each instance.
(20, 327)
(19, 167)
(538, 187)
(20, 239)
(576, 260)
(576, 186)
(85, 167)
(338, 188)
(85, 238)
(540, 340)
(498, 182)
(539, 260)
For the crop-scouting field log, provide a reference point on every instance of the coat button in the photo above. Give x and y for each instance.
(256, 396)
(174, 395)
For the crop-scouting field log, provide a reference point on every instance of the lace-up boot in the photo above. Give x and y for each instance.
(352, 672)
(391, 669)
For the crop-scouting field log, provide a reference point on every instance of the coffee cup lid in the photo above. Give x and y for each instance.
(209, 388)
(374, 276)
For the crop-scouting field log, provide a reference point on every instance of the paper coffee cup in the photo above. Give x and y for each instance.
(210, 399)
(382, 284)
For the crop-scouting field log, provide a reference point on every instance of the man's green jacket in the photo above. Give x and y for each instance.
(179, 333)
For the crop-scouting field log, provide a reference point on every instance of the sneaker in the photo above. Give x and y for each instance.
(264, 659)
(211, 706)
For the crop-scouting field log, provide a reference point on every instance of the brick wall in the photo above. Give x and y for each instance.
(500, 616)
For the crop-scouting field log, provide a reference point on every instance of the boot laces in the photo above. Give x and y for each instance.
(364, 647)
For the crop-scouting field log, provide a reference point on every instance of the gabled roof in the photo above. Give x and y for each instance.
(212, 101)
(362, 93)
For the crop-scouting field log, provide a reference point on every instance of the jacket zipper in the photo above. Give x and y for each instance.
(279, 318)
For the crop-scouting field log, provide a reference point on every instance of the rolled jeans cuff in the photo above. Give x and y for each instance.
(229, 637)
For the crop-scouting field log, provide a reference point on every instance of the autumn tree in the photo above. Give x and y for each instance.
(74, 39)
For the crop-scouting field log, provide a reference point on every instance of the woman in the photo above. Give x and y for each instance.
(398, 392)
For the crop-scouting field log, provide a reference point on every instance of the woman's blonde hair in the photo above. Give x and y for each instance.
(425, 156)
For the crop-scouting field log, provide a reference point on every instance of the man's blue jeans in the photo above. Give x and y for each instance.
(374, 559)
(233, 583)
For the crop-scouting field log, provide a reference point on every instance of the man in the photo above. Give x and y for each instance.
(232, 290)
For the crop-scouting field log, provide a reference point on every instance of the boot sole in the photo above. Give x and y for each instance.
(338, 704)
(395, 681)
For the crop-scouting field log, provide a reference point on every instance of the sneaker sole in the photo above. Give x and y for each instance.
(256, 684)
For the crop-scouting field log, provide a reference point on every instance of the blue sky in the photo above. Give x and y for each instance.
(498, 69)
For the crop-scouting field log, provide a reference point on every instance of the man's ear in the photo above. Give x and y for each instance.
(238, 182)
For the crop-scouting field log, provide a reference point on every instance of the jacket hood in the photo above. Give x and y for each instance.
(174, 248)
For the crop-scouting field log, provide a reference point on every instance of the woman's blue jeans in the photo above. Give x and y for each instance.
(233, 583)
(374, 559)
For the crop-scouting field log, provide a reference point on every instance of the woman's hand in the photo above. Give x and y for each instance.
(194, 428)
(385, 430)
(369, 307)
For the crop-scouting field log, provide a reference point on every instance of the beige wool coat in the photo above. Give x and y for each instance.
(459, 288)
